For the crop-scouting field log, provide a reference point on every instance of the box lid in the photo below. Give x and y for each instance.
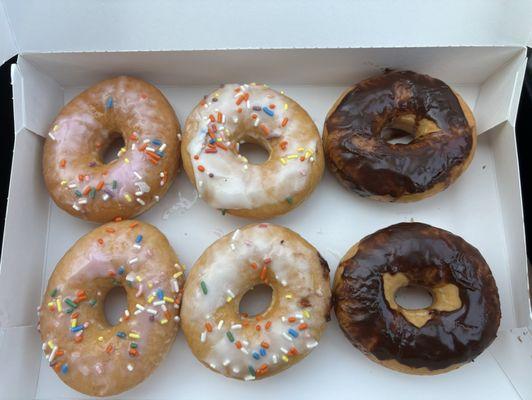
(129, 25)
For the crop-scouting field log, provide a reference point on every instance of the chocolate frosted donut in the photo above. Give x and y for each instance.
(460, 323)
(439, 121)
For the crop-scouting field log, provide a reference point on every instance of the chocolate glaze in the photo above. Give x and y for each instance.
(367, 164)
(429, 257)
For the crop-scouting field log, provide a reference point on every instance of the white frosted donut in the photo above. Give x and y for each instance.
(244, 347)
(234, 114)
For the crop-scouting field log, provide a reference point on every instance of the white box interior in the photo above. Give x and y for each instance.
(483, 207)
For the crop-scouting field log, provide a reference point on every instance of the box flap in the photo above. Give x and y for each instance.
(120, 25)
(505, 84)
(7, 41)
(39, 97)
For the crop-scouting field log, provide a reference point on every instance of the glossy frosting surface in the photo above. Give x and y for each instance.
(251, 113)
(429, 257)
(366, 163)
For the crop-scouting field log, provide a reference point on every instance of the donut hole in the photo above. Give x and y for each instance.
(114, 304)
(396, 136)
(110, 150)
(255, 153)
(256, 300)
(413, 297)
(404, 128)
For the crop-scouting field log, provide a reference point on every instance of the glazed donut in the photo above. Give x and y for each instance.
(79, 180)
(460, 323)
(89, 354)
(356, 139)
(249, 348)
(235, 114)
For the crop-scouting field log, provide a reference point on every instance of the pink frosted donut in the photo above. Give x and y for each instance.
(79, 180)
(88, 353)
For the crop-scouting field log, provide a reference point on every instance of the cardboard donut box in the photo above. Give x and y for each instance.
(312, 51)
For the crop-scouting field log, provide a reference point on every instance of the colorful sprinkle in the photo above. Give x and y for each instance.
(230, 336)
(267, 111)
(293, 333)
(71, 303)
(286, 336)
(251, 370)
(264, 129)
(203, 287)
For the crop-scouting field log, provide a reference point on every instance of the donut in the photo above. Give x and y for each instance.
(225, 179)
(77, 177)
(248, 347)
(366, 116)
(84, 349)
(461, 322)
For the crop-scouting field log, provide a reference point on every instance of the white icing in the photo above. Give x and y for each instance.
(225, 270)
(237, 184)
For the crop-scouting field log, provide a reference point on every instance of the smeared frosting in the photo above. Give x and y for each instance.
(80, 181)
(246, 347)
(250, 113)
(87, 353)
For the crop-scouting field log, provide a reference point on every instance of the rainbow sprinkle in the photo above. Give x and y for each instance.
(203, 287)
